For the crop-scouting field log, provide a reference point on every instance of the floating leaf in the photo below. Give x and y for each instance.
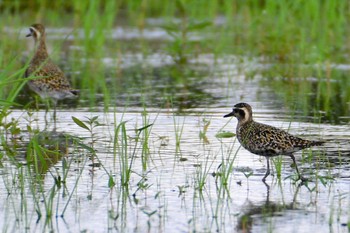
(225, 135)
(80, 123)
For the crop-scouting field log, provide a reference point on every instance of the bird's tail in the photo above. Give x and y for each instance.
(317, 143)
(74, 92)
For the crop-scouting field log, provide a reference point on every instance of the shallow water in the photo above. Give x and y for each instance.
(168, 199)
(177, 168)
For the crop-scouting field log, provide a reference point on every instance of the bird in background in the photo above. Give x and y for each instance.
(266, 140)
(48, 81)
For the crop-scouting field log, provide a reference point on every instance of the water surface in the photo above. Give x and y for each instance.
(178, 163)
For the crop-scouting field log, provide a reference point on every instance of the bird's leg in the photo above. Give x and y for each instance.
(300, 177)
(268, 169)
(47, 106)
(46, 111)
(54, 114)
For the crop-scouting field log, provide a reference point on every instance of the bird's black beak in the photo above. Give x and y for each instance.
(231, 113)
(30, 33)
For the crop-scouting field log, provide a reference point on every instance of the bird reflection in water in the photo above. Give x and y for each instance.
(263, 210)
(44, 150)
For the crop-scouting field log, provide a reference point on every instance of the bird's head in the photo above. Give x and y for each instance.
(242, 111)
(37, 31)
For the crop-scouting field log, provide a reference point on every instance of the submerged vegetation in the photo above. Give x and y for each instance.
(147, 146)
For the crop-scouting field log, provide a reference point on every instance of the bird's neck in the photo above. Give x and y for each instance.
(40, 50)
(244, 121)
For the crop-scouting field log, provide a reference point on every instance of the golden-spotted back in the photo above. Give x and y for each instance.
(51, 81)
(265, 140)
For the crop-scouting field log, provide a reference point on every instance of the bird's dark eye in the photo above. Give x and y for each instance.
(241, 113)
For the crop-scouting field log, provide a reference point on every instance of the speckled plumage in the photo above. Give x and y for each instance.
(266, 140)
(53, 83)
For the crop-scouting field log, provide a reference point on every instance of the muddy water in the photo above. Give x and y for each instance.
(175, 182)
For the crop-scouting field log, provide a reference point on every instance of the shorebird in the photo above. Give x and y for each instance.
(49, 80)
(266, 140)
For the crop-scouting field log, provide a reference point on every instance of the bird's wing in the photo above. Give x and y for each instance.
(272, 141)
(52, 76)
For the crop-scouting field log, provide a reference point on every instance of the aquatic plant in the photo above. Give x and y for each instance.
(121, 148)
(182, 46)
(202, 133)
